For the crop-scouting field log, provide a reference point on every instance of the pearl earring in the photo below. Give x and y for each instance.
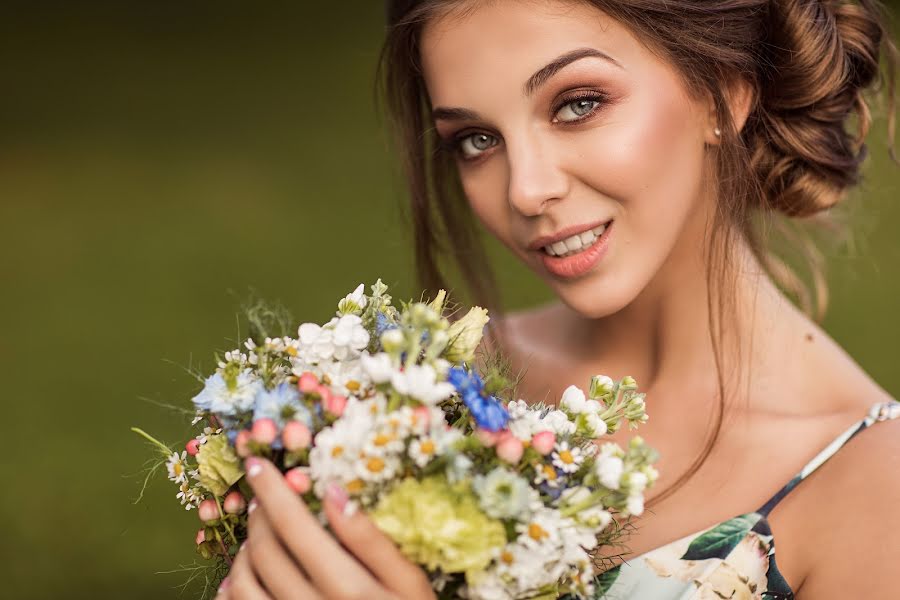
(717, 132)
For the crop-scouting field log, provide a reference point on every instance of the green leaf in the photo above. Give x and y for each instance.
(604, 581)
(719, 541)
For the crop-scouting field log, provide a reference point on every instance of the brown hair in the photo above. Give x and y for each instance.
(809, 63)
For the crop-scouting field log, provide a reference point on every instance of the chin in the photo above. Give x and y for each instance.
(596, 297)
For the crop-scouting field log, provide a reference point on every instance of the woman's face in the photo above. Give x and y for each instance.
(578, 147)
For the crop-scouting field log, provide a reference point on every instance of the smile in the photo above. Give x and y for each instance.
(576, 255)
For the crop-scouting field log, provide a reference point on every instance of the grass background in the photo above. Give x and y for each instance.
(157, 159)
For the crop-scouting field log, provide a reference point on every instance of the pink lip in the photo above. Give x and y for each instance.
(578, 264)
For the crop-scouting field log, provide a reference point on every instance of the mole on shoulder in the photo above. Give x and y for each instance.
(809, 337)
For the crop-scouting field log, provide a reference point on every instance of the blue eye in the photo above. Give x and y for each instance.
(578, 108)
(475, 144)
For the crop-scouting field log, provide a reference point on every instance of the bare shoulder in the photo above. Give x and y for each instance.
(852, 525)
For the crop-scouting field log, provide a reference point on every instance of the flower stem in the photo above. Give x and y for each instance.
(165, 449)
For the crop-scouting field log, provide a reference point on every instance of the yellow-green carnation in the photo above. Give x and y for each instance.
(439, 525)
(220, 467)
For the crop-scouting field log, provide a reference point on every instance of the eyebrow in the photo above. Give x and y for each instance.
(539, 78)
(560, 62)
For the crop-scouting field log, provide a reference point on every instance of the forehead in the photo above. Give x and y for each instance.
(502, 43)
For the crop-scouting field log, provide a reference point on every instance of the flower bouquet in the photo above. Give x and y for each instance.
(493, 497)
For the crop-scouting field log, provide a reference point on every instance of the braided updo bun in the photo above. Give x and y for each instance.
(819, 57)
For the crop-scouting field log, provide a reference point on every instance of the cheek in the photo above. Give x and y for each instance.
(651, 164)
(650, 149)
(484, 188)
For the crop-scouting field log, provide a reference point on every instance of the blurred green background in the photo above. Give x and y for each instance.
(157, 160)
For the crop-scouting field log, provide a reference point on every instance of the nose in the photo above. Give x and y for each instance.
(536, 180)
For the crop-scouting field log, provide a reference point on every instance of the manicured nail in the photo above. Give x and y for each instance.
(254, 466)
(252, 506)
(337, 496)
(224, 585)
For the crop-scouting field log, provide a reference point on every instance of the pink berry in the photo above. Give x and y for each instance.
(335, 404)
(264, 431)
(241, 443)
(308, 382)
(298, 480)
(296, 436)
(510, 449)
(208, 511)
(488, 438)
(423, 416)
(201, 536)
(193, 447)
(324, 393)
(234, 503)
(543, 442)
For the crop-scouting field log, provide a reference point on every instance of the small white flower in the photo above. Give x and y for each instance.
(188, 496)
(596, 426)
(378, 367)
(349, 336)
(516, 409)
(635, 504)
(354, 302)
(558, 422)
(422, 451)
(637, 482)
(503, 494)
(217, 396)
(609, 470)
(573, 400)
(419, 382)
(566, 459)
(175, 467)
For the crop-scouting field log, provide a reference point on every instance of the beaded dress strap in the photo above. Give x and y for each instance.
(883, 411)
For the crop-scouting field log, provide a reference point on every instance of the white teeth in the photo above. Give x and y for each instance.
(573, 243)
(576, 243)
(587, 238)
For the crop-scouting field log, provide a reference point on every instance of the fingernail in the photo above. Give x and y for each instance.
(337, 496)
(224, 585)
(254, 466)
(241, 547)
(252, 506)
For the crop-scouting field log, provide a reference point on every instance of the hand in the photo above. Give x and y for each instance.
(288, 554)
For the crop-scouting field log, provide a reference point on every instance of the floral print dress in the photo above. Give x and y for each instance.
(734, 559)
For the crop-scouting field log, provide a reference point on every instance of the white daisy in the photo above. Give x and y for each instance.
(566, 459)
(422, 450)
(176, 468)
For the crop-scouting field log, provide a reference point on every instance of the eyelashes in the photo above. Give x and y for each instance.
(469, 145)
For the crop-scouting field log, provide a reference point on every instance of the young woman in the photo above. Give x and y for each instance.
(633, 153)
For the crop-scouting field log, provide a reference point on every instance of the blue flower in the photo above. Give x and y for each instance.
(382, 324)
(489, 413)
(281, 404)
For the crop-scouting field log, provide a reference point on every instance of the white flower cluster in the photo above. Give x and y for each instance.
(369, 445)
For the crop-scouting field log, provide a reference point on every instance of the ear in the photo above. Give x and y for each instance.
(739, 96)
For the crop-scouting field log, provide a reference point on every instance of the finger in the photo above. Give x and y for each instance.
(277, 571)
(242, 582)
(374, 549)
(334, 572)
